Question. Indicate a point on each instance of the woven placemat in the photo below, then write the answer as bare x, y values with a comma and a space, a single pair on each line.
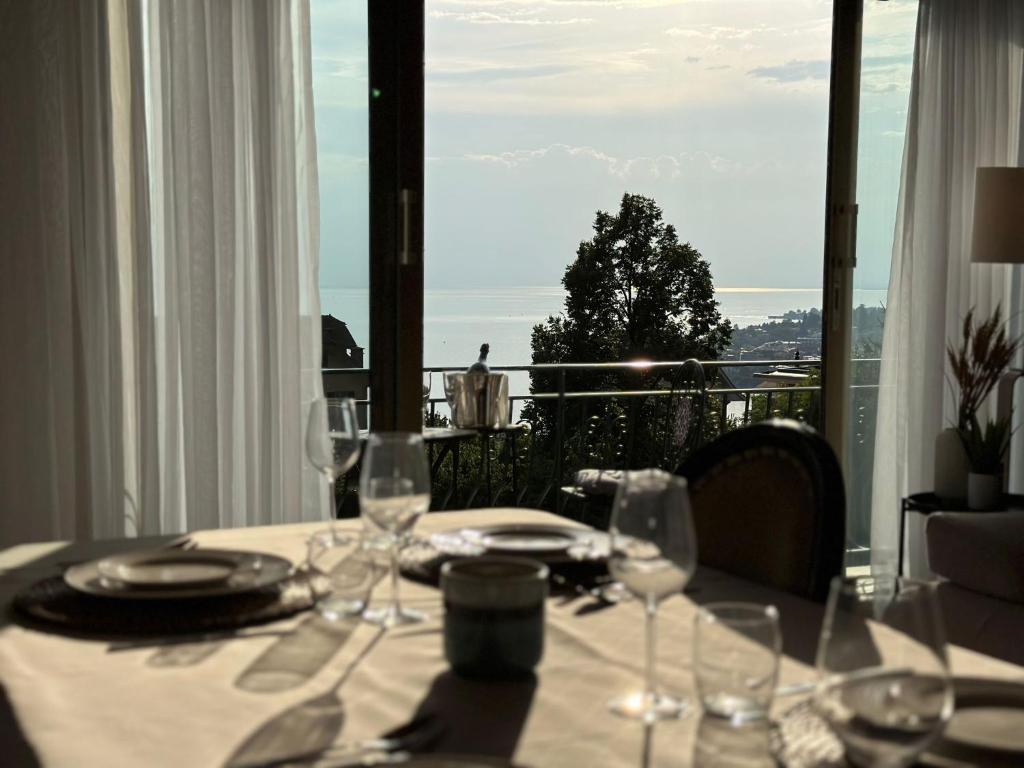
800, 738
52, 605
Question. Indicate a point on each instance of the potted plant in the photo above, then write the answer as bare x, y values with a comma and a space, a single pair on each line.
985, 449
984, 352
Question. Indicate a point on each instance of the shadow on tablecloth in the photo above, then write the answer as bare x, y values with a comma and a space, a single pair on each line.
480, 718
14, 747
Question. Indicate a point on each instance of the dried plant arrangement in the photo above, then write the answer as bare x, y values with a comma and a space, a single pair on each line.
985, 351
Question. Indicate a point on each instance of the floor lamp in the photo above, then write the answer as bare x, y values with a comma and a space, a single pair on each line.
999, 239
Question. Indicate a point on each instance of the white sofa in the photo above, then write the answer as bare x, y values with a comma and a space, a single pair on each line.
980, 559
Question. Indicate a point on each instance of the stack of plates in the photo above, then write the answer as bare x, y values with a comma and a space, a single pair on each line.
165, 574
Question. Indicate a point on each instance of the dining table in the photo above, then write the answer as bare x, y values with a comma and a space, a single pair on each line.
219, 699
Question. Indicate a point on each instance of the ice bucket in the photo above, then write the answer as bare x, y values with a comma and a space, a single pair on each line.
479, 400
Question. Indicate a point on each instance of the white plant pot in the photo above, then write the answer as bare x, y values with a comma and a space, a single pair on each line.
984, 491
951, 466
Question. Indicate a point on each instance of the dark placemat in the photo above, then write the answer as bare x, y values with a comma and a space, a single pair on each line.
422, 562
52, 605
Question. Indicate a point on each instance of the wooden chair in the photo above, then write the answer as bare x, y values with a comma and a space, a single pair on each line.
769, 506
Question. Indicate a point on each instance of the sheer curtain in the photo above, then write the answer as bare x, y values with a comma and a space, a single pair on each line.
231, 171
161, 308
965, 112
60, 390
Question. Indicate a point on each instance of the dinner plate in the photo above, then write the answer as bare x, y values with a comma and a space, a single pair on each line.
167, 569
251, 570
989, 716
544, 542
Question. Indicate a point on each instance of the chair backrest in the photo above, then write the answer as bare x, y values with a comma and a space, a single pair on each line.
769, 505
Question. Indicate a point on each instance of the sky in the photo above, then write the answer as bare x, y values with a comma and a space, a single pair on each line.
541, 112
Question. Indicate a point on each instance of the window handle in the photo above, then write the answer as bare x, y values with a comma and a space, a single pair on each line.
405, 256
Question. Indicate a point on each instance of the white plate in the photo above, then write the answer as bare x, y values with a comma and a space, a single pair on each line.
545, 542
163, 569
252, 570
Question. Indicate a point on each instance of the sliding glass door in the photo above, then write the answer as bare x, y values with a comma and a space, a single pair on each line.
368, 89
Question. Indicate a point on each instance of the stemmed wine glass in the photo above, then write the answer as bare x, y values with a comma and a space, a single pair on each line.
394, 490
332, 440
448, 377
885, 688
427, 385
653, 554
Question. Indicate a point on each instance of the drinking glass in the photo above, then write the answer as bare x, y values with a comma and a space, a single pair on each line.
653, 553
736, 649
448, 378
332, 440
884, 685
427, 385
341, 574
394, 490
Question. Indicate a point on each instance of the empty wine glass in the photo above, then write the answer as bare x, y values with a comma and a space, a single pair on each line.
427, 385
653, 554
332, 440
448, 378
394, 490
885, 688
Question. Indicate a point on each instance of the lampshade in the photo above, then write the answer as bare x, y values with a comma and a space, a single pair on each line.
998, 216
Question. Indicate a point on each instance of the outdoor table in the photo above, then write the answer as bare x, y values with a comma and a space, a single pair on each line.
78, 702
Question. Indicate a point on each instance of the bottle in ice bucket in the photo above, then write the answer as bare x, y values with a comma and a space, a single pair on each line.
480, 366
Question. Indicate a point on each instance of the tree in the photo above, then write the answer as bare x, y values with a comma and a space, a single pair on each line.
634, 292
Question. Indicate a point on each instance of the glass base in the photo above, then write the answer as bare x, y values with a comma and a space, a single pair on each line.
393, 616
640, 706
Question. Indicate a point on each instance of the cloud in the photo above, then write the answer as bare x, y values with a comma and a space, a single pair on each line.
692, 59
491, 73
663, 166
794, 71
525, 18
718, 67
717, 32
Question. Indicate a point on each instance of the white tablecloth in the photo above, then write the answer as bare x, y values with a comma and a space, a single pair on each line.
90, 703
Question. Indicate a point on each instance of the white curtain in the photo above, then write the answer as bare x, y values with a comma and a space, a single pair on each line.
60, 394
965, 112
161, 299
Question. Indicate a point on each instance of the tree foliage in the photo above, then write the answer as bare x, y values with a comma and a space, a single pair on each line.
633, 292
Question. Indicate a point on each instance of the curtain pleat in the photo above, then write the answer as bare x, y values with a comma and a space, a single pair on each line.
158, 266
965, 112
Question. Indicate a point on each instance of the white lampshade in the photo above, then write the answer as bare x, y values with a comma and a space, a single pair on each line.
998, 216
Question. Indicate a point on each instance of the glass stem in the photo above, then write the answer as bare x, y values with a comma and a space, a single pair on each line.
650, 690
396, 605
333, 503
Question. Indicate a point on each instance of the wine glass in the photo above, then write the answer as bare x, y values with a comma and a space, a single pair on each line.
653, 554
448, 378
394, 490
884, 686
332, 440
427, 385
